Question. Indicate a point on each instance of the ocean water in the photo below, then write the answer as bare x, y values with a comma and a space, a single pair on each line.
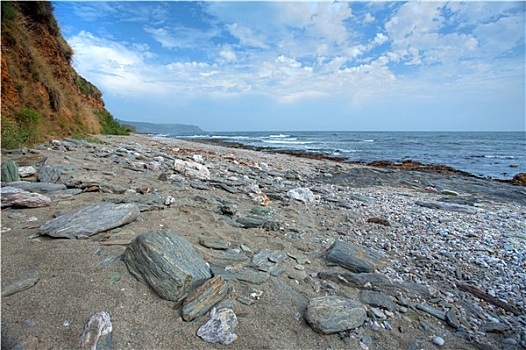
486, 154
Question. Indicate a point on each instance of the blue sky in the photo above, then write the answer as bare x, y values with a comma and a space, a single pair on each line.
239, 66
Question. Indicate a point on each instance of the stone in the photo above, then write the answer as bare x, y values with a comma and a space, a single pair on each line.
10, 171
53, 173
432, 311
167, 263
379, 221
15, 197
302, 194
267, 259
332, 314
354, 258
28, 279
377, 299
220, 328
448, 207
97, 334
191, 169
244, 274
213, 243
202, 299
38, 187
90, 220
438, 341
26, 171
494, 327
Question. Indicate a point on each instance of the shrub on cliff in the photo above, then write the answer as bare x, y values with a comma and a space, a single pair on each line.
109, 125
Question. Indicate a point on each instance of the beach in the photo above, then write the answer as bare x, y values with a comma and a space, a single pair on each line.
446, 251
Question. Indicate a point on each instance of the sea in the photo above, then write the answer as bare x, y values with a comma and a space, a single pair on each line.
497, 155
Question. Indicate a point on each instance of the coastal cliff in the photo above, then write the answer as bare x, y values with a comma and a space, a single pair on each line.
43, 97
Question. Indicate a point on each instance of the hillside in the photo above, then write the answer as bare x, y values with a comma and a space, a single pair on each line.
153, 128
43, 97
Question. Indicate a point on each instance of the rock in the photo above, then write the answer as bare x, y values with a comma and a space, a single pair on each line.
302, 194
28, 279
204, 298
452, 318
267, 260
448, 207
16, 197
220, 328
38, 187
379, 221
261, 198
53, 173
244, 274
90, 220
438, 341
229, 209
494, 327
10, 171
97, 334
213, 243
331, 314
26, 171
167, 263
432, 311
191, 169
377, 299
354, 258
519, 179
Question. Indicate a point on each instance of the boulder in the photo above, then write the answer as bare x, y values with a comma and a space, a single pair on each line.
354, 258
191, 169
302, 194
90, 220
167, 263
10, 171
12, 196
332, 314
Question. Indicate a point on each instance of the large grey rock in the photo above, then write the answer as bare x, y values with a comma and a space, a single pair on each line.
331, 314
220, 328
53, 173
354, 258
90, 220
167, 263
10, 171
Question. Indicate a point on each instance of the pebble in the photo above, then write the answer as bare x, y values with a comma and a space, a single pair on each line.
438, 341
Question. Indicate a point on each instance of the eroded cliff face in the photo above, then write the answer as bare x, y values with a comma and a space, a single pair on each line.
42, 95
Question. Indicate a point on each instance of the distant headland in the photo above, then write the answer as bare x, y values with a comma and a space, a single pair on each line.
154, 128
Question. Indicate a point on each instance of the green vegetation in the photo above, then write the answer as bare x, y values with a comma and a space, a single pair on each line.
21, 131
88, 139
8, 12
87, 88
109, 125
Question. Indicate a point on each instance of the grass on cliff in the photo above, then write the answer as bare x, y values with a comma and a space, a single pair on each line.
22, 130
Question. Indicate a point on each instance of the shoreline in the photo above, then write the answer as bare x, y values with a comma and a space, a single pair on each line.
404, 165
443, 245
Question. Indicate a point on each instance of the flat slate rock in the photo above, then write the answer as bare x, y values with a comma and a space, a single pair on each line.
448, 207
90, 220
10, 171
167, 263
15, 197
244, 274
38, 187
354, 258
377, 299
202, 299
332, 314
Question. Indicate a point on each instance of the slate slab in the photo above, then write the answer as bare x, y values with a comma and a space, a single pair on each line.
354, 258
90, 220
204, 298
10, 171
167, 263
38, 187
12, 196
377, 299
331, 314
220, 328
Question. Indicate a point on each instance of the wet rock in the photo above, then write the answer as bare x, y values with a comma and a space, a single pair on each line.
15, 197
28, 279
167, 263
97, 334
220, 328
10, 171
354, 258
90, 220
204, 298
331, 314
377, 299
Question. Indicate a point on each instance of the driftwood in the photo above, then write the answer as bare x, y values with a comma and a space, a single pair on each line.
485, 296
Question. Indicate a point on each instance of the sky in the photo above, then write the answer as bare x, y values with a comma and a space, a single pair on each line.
293, 66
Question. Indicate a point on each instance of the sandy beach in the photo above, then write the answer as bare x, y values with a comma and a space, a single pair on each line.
452, 249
